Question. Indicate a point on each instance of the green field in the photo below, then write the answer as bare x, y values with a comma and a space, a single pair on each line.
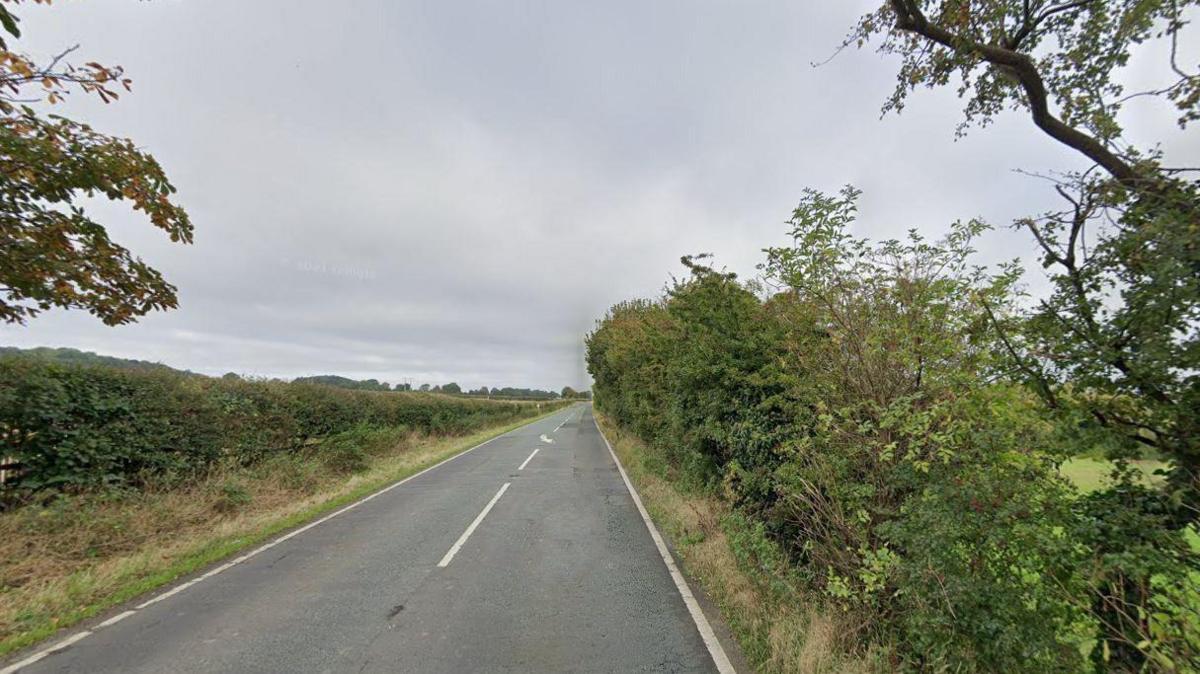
1091, 474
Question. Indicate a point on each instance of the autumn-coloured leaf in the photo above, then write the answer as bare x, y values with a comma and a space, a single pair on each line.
52, 254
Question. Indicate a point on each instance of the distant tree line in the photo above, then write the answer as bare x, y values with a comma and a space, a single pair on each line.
344, 382
70, 356
452, 388
76, 357
511, 392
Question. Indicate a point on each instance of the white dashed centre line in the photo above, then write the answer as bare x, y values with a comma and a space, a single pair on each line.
471, 529
526, 461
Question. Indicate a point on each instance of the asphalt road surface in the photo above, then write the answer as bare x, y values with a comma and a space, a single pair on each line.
499, 560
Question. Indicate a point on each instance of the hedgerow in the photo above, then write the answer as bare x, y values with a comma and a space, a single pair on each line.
73, 427
854, 404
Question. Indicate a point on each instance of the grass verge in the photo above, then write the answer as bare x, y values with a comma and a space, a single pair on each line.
70, 559
778, 627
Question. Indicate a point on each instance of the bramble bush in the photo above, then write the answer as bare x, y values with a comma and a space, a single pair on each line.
855, 404
72, 427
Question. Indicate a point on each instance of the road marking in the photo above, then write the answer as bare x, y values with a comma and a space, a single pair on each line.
546, 440
116, 619
526, 461
559, 426
43, 653
169, 593
49, 650
706, 631
471, 529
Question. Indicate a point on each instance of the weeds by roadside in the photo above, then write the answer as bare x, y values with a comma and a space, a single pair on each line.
778, 628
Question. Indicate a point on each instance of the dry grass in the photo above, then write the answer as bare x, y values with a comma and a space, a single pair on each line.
69, 559
779, 630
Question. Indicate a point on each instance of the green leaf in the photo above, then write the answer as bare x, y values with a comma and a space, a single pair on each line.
10, 24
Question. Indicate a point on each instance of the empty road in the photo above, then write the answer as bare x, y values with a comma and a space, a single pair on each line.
503, 559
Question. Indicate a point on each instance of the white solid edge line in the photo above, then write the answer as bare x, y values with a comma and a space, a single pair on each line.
117, 618
471, 529
45, 652
526, 461
715, 650
16, 666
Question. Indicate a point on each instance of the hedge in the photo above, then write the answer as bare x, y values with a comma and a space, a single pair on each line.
73, 427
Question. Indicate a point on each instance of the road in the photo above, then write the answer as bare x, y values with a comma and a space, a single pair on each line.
499, 560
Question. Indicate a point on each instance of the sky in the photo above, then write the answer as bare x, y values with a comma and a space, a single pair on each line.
446, 190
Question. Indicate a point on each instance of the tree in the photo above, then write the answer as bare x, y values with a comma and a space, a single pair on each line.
512, 392
1114, 347
452, 387
424, 387
52, 254
1119, 328
344, 382
1035, 54
568, 392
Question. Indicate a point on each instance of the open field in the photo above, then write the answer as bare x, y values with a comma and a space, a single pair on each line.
1090, 474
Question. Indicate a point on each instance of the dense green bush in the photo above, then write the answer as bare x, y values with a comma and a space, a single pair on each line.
855, 405
72, 427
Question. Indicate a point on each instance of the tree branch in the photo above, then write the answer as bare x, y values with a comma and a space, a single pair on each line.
1031, 23
1043, 386
910, 18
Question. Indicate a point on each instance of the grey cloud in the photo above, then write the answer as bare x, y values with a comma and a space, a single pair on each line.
442, 191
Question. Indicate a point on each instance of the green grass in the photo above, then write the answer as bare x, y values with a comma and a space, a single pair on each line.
149, 575
1091, 474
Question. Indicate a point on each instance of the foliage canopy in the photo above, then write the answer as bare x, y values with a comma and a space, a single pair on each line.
1116, 343
52, 253
857, 403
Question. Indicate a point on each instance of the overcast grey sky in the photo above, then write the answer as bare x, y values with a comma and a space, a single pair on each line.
445, 190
